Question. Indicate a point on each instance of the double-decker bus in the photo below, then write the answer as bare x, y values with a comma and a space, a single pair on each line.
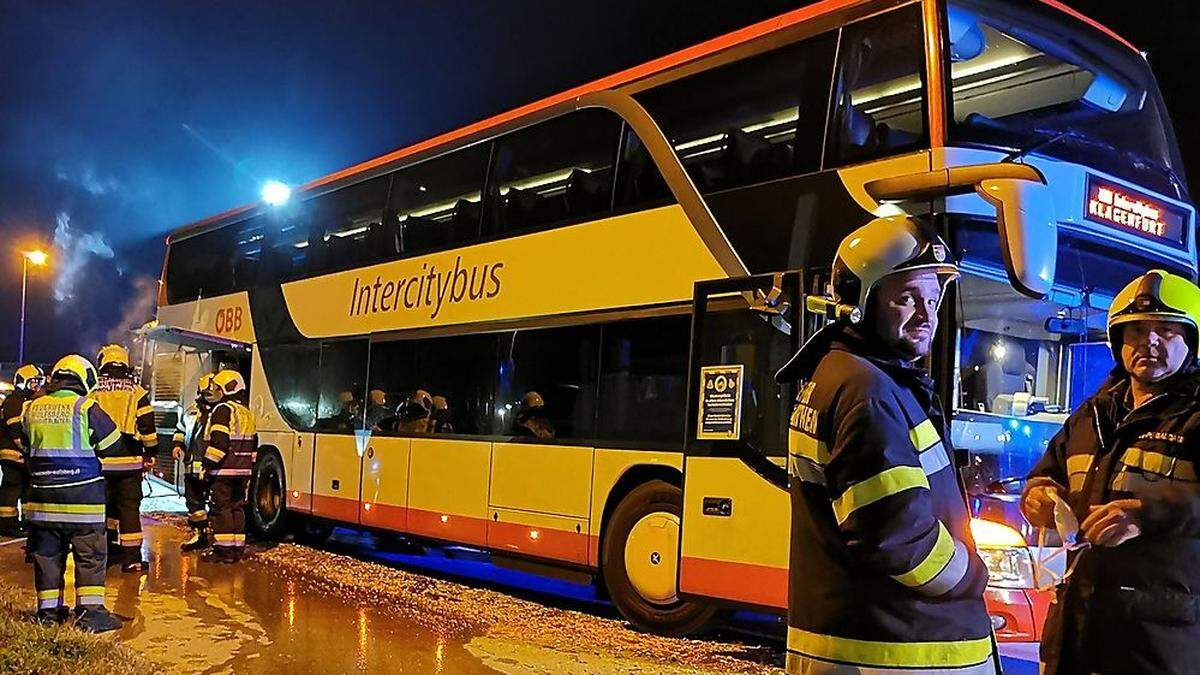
597, 288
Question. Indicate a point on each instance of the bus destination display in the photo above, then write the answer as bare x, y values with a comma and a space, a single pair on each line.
1130, 210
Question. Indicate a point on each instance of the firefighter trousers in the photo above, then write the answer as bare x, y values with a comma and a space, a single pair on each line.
227, 514
12, 485
195, 497
50, 543
123, 513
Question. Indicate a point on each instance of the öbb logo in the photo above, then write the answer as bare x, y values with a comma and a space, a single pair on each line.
229, 320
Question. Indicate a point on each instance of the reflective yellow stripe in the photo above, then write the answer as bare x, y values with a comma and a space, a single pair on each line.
13, 420
148, 437
1157, 462
883, 484
145, 411
135, 538
8, 512
64, 508
11, 455
1079, 463
804, 445
219, 427
89, 590
213, 454
50, 594
108, 441
923, 435
933, 563
956, 654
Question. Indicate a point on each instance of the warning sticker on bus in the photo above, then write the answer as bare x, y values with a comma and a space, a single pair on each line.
720, 403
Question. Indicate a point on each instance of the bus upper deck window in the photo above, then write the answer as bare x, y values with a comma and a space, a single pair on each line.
879, 92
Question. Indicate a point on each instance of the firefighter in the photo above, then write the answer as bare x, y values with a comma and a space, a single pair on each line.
884, 574
531, 418
27, 383
230, 450
128, 404
187, 446
68, 435
1125, 463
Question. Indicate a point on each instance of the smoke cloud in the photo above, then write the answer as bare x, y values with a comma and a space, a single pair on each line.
75, 250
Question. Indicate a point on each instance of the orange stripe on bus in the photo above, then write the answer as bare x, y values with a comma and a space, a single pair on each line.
549, 543
335, 508
741, 582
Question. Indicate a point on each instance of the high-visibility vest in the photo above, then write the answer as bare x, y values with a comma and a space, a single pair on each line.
67, 435
189, 435
128, 404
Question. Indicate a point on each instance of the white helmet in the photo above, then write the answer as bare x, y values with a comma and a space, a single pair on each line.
882, 247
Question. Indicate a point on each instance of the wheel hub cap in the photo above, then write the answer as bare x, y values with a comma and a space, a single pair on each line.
651, 555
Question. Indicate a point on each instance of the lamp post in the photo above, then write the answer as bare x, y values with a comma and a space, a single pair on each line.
37, 259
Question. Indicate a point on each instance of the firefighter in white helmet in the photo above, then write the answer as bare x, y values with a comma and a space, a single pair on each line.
885, 578
128, 404
187, 446
231, 445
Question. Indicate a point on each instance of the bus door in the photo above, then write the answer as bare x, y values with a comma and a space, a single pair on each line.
736, 518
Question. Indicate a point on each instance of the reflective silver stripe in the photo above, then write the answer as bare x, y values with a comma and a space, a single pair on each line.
85, 518
803, 664
231, 472
76, 425
805, 469
74, 453
67, 485
951, 574
934, 459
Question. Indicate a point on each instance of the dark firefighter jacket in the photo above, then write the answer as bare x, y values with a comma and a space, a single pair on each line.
189, 436
10, 430
128, 404
232, 444
883, 568
68, 434
1132, 608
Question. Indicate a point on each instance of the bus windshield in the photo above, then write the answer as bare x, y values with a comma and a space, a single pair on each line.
1027, 78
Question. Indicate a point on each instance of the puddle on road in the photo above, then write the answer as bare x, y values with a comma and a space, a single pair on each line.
197, 617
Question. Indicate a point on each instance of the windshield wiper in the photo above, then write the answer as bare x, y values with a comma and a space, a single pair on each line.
1142, 161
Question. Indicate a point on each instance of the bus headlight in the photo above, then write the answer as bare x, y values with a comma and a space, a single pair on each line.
1004, 552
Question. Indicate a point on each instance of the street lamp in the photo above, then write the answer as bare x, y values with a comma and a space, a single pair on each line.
37, 259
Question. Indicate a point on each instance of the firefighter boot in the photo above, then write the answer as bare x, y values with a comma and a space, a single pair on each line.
95, 620
199, 541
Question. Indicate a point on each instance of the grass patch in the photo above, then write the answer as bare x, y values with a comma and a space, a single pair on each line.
29, 648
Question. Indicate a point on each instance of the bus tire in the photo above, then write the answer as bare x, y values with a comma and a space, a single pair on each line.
267, 499
639, 557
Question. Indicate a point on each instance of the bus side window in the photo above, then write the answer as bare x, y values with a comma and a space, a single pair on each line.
343, 372
436, 203
558, 171
754, 120
639, 182
292, 374
200, 266
547, 384
643, 378
879, 92
342, 221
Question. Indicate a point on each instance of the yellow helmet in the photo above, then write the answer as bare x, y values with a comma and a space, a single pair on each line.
229, 382
204, 383
112, 354
1156, 295
76, 367
28, 376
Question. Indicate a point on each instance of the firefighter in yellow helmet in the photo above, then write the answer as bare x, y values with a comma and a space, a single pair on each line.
187, 446
885, 574
128, 404
1126, 463
69, 434
231, 446
27, 383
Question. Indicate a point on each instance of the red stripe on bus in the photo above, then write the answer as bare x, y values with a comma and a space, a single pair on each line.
448, 527
703, 49
741, 582
335, 508
385, 516
542, 542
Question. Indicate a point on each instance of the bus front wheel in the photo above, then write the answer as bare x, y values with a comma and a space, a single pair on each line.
640, 557
268, 511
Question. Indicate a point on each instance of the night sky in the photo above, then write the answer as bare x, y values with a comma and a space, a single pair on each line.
120, 121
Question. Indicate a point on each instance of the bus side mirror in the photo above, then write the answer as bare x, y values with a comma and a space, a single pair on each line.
1028, 231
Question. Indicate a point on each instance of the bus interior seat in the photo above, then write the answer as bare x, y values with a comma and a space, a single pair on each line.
419, 233
317, 250
518, 207
588, 192
754, 159
463, 224
382, 237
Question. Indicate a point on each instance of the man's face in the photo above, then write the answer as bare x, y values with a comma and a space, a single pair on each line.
904, 312
1153, 350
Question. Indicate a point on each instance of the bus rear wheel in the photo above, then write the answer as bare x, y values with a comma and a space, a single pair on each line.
268, 509
640, 557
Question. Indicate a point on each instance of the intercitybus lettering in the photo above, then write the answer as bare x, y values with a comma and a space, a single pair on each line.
430, 288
